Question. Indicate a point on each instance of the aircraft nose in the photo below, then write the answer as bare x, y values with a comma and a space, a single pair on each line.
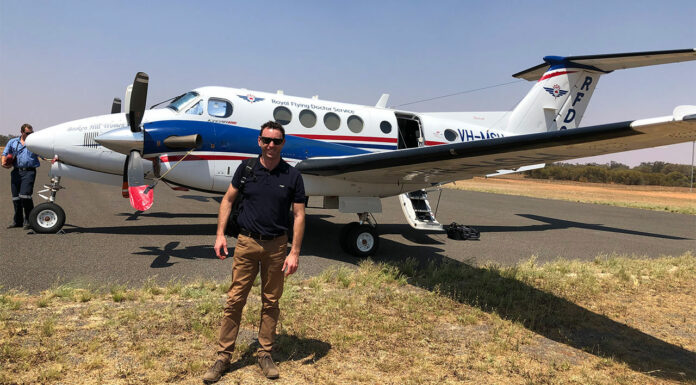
41, 143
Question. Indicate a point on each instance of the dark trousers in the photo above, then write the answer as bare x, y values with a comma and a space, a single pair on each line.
22, 184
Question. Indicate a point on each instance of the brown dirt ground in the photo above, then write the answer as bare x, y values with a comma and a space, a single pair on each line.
675, 199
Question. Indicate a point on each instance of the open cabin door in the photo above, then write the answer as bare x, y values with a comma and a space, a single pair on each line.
414, 204
410, 130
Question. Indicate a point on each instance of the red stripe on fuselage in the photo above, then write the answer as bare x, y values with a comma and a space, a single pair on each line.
346, 137
548, 76
176, 158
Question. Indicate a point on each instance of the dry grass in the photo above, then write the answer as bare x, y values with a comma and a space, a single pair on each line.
614, 320
671, 199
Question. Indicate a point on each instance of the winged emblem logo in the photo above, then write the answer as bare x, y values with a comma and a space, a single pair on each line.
251, 98
555, 91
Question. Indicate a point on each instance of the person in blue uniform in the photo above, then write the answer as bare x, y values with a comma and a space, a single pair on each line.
23, 164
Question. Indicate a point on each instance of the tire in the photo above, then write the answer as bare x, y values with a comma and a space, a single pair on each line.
344, 236
363, 241
47, 218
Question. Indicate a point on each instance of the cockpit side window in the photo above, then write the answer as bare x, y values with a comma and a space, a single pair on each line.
196, 109
182, 101
219, 108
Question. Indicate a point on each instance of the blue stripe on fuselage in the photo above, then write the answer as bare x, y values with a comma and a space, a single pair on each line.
235, 139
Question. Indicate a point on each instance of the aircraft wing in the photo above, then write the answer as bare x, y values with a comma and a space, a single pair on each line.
449, 162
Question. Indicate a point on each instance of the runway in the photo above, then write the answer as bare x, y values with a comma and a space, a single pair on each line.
105, 242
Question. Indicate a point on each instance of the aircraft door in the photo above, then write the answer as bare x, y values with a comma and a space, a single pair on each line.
410, 131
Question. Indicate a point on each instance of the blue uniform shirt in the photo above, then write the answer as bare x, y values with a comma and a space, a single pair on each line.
268, 196
24, 157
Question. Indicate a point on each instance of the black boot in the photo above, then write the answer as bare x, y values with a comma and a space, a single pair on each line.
18, 219
28, 205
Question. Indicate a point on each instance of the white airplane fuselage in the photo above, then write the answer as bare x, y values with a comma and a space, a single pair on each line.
313, 127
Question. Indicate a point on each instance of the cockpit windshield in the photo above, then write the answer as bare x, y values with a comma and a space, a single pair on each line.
182, 100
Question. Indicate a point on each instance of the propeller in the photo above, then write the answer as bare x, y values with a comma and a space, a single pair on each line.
134, 186
116, 106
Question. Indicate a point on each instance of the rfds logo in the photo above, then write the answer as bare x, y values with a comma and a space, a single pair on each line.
251, 98
555, 91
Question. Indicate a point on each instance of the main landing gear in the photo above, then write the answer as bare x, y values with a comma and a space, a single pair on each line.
360, 238
48, 217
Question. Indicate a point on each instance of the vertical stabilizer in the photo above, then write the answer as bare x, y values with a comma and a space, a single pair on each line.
557, 101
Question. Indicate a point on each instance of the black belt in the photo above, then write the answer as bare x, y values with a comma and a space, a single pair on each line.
26, 168
257, 236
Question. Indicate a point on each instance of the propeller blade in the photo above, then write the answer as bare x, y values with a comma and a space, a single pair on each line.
138, 98
116, 106
135, 169
129, 90
141, 197
124, 186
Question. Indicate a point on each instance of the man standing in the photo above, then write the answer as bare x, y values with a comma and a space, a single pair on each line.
268, 190
22, 176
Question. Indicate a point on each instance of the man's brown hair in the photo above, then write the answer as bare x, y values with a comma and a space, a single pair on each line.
273, 126
27, 125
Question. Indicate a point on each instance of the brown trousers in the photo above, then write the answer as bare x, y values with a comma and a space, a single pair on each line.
250, 257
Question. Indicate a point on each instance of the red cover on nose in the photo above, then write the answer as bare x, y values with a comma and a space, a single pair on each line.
139, 199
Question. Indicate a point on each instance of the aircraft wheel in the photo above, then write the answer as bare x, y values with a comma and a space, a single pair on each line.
363, 241
344, 237
47, 218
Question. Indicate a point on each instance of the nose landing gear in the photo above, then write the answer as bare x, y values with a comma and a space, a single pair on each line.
48, 217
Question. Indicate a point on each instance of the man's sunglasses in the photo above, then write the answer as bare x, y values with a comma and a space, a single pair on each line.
275, 141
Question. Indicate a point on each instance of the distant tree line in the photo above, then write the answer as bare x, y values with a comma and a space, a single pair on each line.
648, 173
4, 139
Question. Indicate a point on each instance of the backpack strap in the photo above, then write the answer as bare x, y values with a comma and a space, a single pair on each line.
248, 172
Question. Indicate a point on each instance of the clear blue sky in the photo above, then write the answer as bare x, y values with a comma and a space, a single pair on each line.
64, 60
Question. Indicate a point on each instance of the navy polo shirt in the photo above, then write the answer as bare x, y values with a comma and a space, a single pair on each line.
268, 196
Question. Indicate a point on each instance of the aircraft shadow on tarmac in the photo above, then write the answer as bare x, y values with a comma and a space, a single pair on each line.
541, 312
138, 214
163, 254
557, 224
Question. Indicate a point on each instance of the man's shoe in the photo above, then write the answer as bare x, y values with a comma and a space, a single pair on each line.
216, 371
269, 368
27, 227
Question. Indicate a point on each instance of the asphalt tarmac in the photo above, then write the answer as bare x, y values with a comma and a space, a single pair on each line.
105, 242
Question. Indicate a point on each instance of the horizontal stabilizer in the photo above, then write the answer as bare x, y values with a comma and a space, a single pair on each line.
449, 162
608, 63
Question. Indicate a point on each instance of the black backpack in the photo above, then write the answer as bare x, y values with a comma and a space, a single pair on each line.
232, 228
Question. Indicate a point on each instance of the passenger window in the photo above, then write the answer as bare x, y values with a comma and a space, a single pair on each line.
219, 108
385, 127
196, 109
308, 118
355, 123
332, 121
450, 135
282, 115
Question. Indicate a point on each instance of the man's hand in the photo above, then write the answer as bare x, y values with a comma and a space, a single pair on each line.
6, 162
223, 215
290, 264
221, 247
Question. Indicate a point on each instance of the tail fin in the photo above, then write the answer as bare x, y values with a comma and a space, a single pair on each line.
565, 85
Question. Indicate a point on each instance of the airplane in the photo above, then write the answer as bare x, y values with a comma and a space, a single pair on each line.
351, 155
